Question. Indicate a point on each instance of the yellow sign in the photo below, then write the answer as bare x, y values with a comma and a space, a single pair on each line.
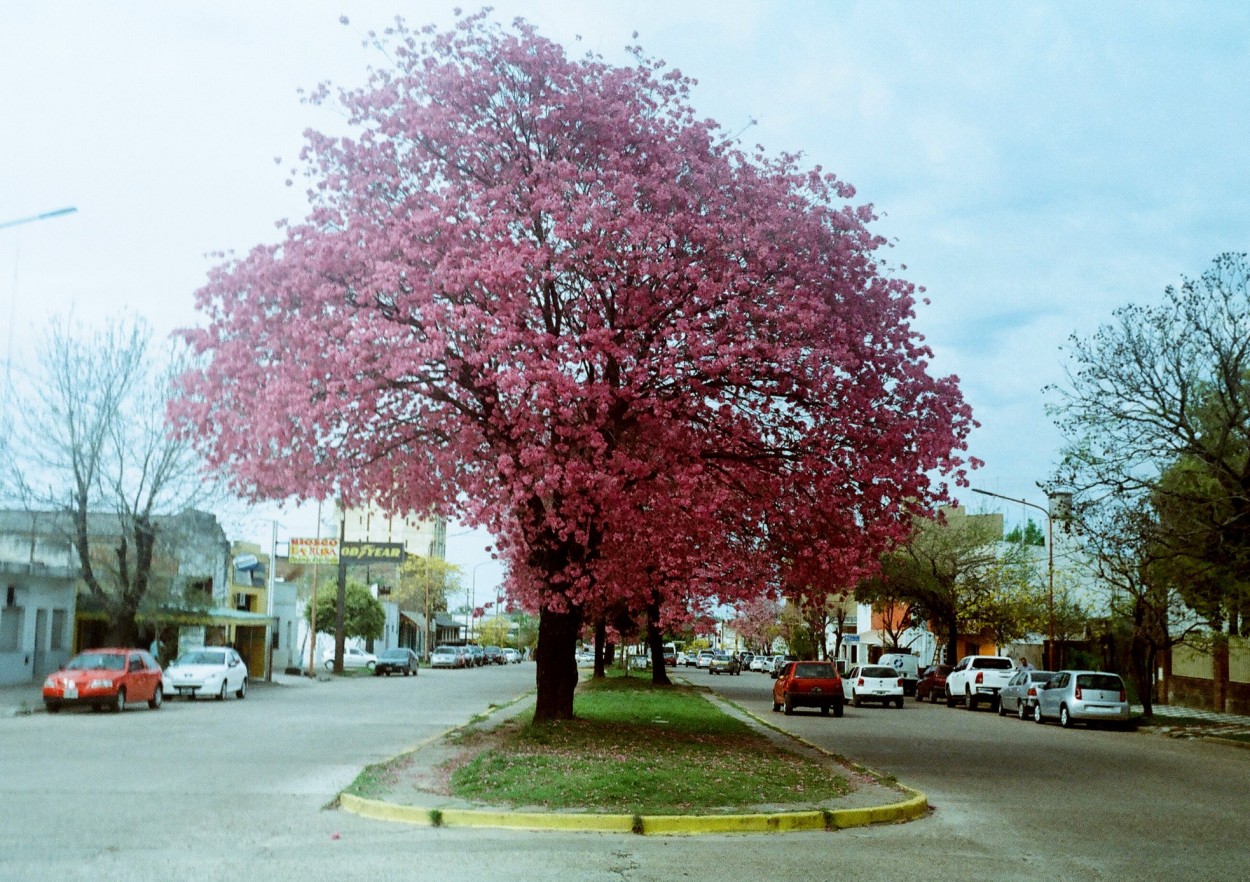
313, 551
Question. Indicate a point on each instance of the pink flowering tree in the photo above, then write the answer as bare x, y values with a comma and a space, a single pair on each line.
538, 293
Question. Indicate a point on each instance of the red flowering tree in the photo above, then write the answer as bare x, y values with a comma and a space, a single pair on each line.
536, 292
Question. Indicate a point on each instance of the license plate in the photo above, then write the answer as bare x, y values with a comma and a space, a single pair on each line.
815, 689
71, 690
185, 690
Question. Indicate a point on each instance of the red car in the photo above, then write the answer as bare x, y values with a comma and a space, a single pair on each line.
105, 677
932, 683
808, 684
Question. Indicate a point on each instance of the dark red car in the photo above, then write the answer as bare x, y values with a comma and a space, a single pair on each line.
105, 678
932, 683
808, 684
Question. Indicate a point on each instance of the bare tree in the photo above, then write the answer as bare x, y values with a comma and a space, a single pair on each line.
91, 444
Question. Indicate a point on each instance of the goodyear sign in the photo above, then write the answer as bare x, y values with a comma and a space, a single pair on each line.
372, 552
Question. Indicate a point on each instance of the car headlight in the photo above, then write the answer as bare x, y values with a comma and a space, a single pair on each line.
100, 684
49, 683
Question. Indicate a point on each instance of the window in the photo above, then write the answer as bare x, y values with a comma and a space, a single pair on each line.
10, 628
59, 619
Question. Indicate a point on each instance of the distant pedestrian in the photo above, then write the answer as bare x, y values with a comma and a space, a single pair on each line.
1025, 664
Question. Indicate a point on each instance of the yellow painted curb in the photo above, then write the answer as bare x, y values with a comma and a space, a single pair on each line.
648, 825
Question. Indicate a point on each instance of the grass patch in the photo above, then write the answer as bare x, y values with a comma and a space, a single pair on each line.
380, 778
636, 749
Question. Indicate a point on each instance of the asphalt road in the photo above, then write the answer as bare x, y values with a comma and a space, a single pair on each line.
238, 790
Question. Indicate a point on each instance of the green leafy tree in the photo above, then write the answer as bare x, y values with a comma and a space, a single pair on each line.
365, 618
1032, 534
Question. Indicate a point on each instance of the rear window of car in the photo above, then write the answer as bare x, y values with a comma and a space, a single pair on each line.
811, 670
1104, 682
879, 671
993, 664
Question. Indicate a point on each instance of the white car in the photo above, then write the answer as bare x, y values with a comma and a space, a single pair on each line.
762, 663
444, 657
207, 671
511, 656
353, 660
873, 683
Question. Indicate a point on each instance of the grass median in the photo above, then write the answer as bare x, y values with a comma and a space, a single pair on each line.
635, 748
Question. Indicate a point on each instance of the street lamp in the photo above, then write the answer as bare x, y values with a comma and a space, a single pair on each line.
1060, 501
8, 352
37, 217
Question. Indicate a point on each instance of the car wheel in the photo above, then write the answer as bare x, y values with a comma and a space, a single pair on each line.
919, 697
52, 707
221, 695
1037, 714
837, 708
855, 702
1002, 711
329, 665
776, 706
950, 699
242, 693
157, 697
1065, 718
824, 710
1022, 711
119, 703
789, 706
898, 703
371, 665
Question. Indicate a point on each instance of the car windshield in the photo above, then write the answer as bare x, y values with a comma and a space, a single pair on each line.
94, 661
1041, 676
395, 654
1103, 682
444, 650
201, 657
807, 670
879, 672
993, 664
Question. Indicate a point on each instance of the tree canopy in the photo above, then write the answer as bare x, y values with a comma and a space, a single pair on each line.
539, 293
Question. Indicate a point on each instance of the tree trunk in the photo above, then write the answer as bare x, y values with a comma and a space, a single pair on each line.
601, 645
655, 643
1141, 663
556, 674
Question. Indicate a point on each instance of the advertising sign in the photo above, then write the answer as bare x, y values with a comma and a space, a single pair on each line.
313, 551
373, 552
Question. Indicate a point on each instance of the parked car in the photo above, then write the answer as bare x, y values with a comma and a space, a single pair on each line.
978, 678
670, 655
692, 659
400, 660
762, 663
511, 656
585, 657
932, 683
445, 657
873, 683
808, 684
207, 671
105, 678
494, 655
724, 663
640, 662
779, 662
908, 667
745, 659
1082, 696
1020, 693
704, 658
353, 659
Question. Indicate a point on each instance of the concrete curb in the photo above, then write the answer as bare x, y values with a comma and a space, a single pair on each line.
914, 805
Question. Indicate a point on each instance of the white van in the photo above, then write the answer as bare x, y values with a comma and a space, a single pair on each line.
908, 667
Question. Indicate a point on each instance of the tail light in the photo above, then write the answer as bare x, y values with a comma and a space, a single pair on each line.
1032, 692
1078, 693
1123, 695
900, 681
980, 677
861, 682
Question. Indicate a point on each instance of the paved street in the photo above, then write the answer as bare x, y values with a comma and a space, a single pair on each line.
237, 790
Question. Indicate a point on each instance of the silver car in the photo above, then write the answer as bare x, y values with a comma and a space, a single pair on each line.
1020, 693
1082, 696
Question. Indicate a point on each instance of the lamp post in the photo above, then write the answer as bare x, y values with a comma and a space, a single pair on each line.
473, 598
34, 218
1055, 499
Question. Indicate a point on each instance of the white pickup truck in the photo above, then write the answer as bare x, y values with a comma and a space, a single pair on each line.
978, 678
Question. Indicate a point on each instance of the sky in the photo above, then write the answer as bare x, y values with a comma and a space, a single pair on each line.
1034, 165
